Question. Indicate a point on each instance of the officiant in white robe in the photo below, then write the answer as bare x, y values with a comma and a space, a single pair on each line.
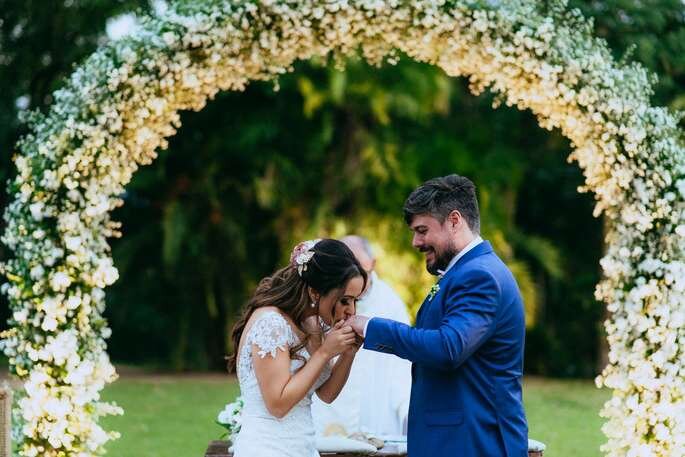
375, 399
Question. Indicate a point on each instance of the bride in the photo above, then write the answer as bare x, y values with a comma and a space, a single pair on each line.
282, 355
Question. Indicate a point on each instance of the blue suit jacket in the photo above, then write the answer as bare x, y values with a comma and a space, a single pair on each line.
467, 354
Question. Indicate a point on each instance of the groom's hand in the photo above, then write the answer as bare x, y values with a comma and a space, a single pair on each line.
358, 323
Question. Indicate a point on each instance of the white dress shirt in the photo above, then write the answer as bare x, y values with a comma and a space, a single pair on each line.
475, 242
375, 399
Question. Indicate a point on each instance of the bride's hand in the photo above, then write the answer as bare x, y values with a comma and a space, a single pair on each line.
358, 343
340, 339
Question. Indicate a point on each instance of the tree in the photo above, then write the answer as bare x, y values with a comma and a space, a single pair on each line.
329, 153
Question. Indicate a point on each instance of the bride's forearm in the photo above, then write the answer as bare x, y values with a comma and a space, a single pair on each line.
330, 389
281, 400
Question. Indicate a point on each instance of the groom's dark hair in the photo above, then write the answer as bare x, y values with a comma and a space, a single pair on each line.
440, 196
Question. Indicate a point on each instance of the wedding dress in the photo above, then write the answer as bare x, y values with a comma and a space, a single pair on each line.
262, 434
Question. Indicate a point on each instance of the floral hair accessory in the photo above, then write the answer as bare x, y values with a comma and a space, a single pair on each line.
302, 254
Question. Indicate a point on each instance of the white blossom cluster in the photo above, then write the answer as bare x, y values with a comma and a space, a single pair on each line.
231, 418
120, 105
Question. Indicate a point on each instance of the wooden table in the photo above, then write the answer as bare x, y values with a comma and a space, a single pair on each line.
220, 449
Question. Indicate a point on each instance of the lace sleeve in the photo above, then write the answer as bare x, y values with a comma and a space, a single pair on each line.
270, 332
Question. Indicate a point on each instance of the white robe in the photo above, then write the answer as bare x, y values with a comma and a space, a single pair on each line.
375, 399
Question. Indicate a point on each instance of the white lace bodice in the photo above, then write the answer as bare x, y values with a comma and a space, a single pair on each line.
261, 433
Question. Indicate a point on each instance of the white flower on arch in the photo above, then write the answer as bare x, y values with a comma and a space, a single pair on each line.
537, 57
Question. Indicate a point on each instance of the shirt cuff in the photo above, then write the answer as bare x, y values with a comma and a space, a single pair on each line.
365, 327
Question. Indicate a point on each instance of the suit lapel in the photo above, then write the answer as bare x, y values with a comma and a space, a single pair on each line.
483, 248
421, 311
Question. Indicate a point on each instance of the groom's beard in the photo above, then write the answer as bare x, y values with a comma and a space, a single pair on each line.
442, 259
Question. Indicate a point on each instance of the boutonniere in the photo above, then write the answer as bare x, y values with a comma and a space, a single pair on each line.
434, 290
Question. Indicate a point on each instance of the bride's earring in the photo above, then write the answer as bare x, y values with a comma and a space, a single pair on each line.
313, 305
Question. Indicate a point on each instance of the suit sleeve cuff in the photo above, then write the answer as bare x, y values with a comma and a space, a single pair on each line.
365, 327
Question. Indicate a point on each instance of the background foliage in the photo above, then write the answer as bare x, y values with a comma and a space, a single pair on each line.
330, 153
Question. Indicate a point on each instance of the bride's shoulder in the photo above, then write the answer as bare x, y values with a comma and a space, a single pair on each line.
271, 313
269, 331
270, 319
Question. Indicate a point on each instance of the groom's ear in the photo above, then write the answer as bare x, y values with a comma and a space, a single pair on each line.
454, 219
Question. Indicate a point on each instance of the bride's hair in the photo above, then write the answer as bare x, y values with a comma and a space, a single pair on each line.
331, 267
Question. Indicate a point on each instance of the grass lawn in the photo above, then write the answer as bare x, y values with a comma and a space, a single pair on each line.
173, 416
564, 415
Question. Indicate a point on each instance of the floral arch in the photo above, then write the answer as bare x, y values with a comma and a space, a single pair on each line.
122, 103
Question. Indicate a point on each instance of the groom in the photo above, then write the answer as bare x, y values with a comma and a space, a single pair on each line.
467, 345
